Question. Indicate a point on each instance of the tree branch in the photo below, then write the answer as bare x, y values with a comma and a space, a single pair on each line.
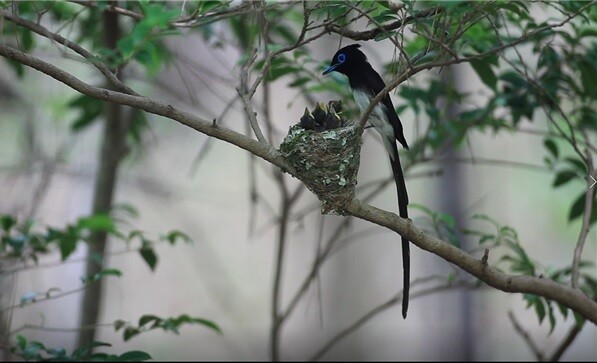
396, 299
571, 298
586, 221
371, 34
264, 151
527, 338
38, 29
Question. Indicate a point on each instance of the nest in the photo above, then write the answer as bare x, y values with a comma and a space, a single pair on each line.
328, 162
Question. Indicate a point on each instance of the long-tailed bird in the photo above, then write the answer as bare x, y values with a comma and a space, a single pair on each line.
366, 83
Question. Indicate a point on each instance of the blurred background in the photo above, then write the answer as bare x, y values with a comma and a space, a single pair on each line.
180, 179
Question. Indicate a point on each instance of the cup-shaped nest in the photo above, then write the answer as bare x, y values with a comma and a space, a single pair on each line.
327, 162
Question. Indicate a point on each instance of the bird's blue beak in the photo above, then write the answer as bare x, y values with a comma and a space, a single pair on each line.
330, 69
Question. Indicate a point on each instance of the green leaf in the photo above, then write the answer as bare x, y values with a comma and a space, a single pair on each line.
588, 76
109, 272
138, 125
205, 6
549, 58
68, 244
7, 222
277, 72
514, 78
81, 353
135, 234
577, 208
286, 33
97, 223
578, 318
564, 177
578, 164
119, 324
130, 332
588, 118
484, 71
384, 35
148, 318
126, 46
588, 32
552, 318
208, 323
59, 353
149, 257
563, 310
90, 109
299, 82
134, 356
552, 147
386, 15
175, 235
96, 343
21, 342
27, 40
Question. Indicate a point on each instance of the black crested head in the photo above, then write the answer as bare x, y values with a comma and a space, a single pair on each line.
347, 59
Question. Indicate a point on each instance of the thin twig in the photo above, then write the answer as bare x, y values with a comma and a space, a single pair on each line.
46, 297
371, 34
565, 344
58, 330
397, 299
586, 221
526, 336
111, 8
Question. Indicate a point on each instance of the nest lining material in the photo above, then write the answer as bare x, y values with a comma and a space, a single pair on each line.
328, 162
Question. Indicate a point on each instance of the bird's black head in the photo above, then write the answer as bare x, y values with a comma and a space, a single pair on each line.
346, 59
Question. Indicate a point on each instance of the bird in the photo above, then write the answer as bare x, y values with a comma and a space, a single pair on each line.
307, 120
366, 83
332, 119
319, 114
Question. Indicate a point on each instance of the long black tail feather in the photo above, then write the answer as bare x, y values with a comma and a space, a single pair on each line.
403, 212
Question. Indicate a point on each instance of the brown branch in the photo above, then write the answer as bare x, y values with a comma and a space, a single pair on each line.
111, 8
58, 330
549, 289
526, 336
271, 56
572, 333
385, 306
46, 297
586, 221
371, 34
252, 115
156, 107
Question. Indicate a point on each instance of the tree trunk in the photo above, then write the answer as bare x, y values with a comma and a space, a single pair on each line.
113, 150
452, 203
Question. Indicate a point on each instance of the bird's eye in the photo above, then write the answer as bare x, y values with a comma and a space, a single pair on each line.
341, 57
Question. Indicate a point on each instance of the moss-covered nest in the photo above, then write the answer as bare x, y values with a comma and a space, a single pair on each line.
327, 162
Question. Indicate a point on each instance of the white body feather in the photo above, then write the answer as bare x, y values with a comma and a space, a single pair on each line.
378, 119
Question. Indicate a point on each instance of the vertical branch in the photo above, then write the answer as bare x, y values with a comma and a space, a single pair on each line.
586, 221
565, 344
526, 337
113, 150
277, 317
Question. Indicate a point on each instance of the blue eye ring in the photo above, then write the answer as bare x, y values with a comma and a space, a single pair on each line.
341, 57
